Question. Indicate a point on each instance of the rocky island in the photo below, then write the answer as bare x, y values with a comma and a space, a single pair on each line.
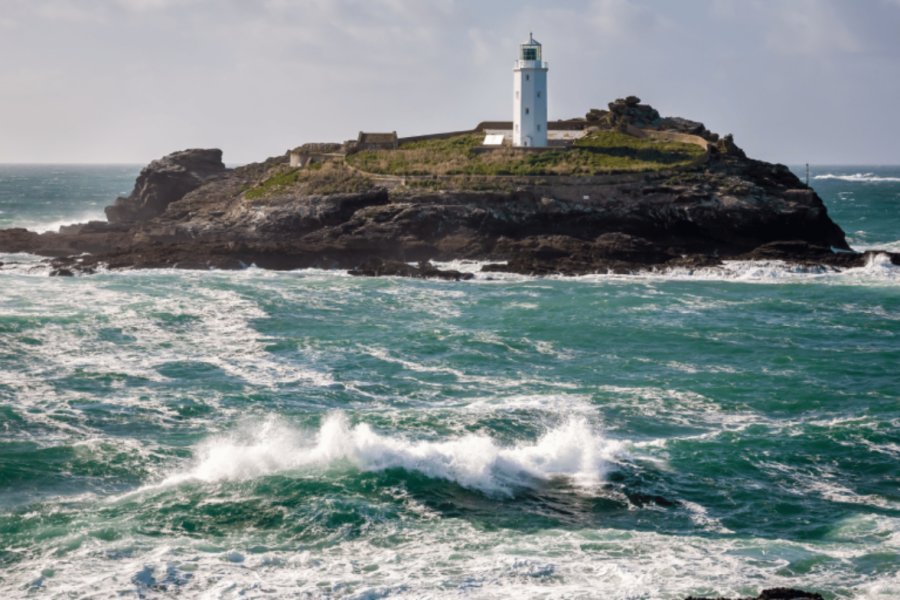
631, 192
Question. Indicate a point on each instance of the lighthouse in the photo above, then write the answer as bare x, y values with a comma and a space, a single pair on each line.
530, 96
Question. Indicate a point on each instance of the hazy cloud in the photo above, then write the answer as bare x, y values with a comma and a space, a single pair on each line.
623, 21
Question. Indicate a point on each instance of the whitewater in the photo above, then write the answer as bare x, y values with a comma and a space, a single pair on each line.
307, 434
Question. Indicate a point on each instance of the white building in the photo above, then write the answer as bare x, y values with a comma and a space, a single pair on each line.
530, 102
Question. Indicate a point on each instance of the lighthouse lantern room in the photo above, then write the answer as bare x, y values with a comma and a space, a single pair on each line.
530, 96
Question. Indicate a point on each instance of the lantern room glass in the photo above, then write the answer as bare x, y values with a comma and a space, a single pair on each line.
529, 52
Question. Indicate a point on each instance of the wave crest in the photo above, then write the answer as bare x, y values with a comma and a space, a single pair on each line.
574, 450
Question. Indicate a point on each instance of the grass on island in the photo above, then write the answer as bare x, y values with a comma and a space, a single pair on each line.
319, 178
600, 153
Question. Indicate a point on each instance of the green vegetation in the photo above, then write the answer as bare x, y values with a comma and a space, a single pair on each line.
317, 178
600, 153
467, 182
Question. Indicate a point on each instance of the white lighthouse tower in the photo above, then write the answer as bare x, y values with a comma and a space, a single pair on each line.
530, 91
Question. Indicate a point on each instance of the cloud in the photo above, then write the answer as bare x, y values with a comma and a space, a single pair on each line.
809, 28
620, 21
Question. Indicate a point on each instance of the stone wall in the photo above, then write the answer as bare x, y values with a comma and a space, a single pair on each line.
434, 136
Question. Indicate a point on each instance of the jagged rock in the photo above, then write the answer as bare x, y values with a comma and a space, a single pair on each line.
164, 181
624, 112
727, 147
62, 273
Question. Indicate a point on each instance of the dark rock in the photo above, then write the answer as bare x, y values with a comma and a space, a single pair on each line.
92, 227
727, 147
164, 181
563, 255
629, 111
686, 126
197, 215
694, 261
377, 267
804, 253
74, 229
62, 273
774, 594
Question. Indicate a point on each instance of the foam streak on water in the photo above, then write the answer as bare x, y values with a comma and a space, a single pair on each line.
252, 434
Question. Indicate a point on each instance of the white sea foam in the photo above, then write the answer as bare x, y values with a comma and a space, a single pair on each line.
826, 484
574, 450
757, 271
860, 178
862, 246
453, 558
541, 403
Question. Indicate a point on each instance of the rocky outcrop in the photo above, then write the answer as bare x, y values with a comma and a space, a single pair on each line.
733, 208
188, 211
775, 594
93, 237
164, 181
727, 147
377, 267
629, 111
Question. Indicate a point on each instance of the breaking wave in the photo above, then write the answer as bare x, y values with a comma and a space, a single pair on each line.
574, 450
860, 178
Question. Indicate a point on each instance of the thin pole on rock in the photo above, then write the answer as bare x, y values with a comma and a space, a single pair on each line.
807, 174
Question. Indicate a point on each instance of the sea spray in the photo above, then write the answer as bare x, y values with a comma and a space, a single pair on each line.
573, 450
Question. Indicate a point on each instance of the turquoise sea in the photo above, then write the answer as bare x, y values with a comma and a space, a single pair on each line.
306, 434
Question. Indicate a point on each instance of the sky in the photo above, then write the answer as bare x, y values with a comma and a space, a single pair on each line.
128, 81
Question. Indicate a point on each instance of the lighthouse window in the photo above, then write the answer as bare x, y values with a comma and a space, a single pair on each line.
531, 53
528, 78
539, 93
526, 111
539, 127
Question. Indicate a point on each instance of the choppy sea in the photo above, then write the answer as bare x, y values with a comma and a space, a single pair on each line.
305, 434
